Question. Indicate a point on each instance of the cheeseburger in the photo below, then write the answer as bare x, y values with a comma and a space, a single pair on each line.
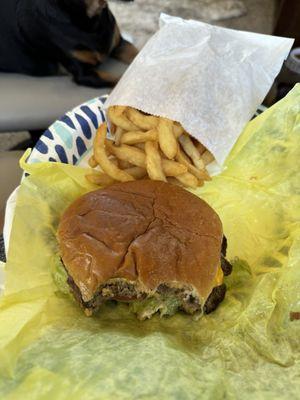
148, 243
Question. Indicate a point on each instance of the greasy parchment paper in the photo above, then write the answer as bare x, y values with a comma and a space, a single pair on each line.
208, 78
248, 349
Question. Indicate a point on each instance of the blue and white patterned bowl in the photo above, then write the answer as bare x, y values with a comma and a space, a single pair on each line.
69, 139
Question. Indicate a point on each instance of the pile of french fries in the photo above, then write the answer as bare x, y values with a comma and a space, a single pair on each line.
146, 146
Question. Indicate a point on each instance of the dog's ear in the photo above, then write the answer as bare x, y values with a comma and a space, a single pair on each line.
94, 7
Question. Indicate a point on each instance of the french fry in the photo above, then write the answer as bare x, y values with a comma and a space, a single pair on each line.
166, 138
199, 146
184, 158
102, 159
112, 128
154, 162
124, 164
100, 179
202, 175
140, 146
188, 180
145, 122
173, 168
118, 134
191, 151
114, 160
134, 137
92, 162
177, 130
131, 154
207, 157
118, 117
120, 109
170, 167
136, 172
174, 181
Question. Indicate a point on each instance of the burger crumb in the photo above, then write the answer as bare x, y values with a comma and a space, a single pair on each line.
294, 315
88, 312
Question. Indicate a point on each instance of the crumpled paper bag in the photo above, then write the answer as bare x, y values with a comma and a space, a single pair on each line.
247, 349
208, 78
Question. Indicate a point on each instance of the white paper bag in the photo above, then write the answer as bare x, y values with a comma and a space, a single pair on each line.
210, 79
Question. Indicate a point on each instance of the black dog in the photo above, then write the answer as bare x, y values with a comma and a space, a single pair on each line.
36, 36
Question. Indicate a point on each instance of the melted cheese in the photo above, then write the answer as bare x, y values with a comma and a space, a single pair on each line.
219, 277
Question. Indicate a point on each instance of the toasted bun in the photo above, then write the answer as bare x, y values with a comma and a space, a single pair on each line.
148, 232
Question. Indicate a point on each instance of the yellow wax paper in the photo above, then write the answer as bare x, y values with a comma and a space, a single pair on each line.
247, 349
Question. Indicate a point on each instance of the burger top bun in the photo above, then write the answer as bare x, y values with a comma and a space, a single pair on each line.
148, 232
